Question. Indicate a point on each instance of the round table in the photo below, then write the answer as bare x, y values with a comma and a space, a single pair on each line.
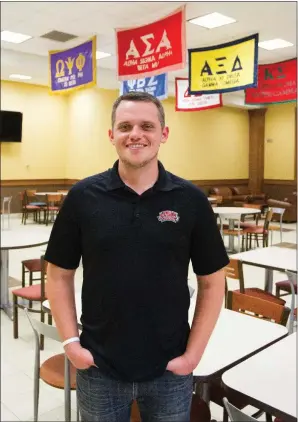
232, 214
19, 238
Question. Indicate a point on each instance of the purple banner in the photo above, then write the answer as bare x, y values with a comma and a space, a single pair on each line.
73, 68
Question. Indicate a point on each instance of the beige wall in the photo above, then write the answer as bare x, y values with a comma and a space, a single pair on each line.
280, 152
67, 137
209, 144
41, 154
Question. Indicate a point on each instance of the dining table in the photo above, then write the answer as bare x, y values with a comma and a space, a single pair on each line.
268, 379
233, 214
235, 338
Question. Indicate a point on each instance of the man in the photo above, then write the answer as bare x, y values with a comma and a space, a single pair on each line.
136, 227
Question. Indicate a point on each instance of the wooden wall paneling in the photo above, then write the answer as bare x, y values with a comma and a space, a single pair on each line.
256, 149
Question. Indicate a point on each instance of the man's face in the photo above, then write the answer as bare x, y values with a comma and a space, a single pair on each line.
137, 133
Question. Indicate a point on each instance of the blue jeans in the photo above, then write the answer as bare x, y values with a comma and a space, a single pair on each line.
102, 399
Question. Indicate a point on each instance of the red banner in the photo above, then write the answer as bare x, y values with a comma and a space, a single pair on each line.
276, 84
158, 47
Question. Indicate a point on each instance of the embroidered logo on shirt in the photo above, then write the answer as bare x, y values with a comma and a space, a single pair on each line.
168, 216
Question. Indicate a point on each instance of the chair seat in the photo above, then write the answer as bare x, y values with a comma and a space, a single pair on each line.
53, 208
52, 372
31, 207
255, 230
32, 265
38, 204
30, 293
261, 294
286, 285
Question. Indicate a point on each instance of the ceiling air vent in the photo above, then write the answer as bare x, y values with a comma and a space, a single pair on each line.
58, 36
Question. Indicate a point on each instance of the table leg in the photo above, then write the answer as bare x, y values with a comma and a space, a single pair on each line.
67, 392
268, 280
5, 305
231, 238
206, 393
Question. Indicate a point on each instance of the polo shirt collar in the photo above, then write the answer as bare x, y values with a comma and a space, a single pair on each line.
163, 183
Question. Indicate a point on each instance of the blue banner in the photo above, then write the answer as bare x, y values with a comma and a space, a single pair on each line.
154, 85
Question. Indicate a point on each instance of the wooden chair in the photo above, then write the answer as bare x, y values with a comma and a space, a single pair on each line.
200, 411
28, 208
254, 217
258, 307
32, 293
259, 233
252, 307
53, 205
56, 371
234, 270
31, 266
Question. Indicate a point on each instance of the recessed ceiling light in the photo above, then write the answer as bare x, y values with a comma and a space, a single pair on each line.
101, 55
17, 76
14, 37
212, 20
274, 44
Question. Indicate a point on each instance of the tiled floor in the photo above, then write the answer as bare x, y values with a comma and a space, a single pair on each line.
17, 356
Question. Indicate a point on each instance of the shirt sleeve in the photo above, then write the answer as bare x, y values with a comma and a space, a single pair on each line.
208, 253
64, 247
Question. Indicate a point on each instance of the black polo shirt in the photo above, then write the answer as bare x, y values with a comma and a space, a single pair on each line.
135, 251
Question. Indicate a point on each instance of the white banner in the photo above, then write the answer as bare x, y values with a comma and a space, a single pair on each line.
186, 102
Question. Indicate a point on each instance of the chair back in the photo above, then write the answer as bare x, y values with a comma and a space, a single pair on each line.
30, 194
234, 270
43, 274
235, 414
57, 198
40, 328
256, 307
293, 282
268, 218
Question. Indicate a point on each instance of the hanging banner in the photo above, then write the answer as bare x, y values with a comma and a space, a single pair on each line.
187, 102
152, 49
73, 68
277, 83
225, 67
154, 85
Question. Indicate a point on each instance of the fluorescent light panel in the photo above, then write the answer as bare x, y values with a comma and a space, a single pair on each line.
17, 76
274, 44
101, 55
14, 37
212, 20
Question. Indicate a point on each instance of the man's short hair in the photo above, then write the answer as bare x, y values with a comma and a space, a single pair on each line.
142, 97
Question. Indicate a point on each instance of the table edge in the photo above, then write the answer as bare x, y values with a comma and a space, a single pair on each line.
244, 358
4, 248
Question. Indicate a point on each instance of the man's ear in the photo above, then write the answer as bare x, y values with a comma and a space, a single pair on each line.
165, 135
111, 136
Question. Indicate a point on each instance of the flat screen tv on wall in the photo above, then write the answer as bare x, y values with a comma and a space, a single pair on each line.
11, 126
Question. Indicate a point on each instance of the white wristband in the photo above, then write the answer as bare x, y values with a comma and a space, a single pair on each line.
70, 340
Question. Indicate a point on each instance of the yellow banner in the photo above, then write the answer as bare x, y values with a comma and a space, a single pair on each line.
224, 68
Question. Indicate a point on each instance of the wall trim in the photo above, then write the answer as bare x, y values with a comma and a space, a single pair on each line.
279, 182
220, 182
42, 182
37, 182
